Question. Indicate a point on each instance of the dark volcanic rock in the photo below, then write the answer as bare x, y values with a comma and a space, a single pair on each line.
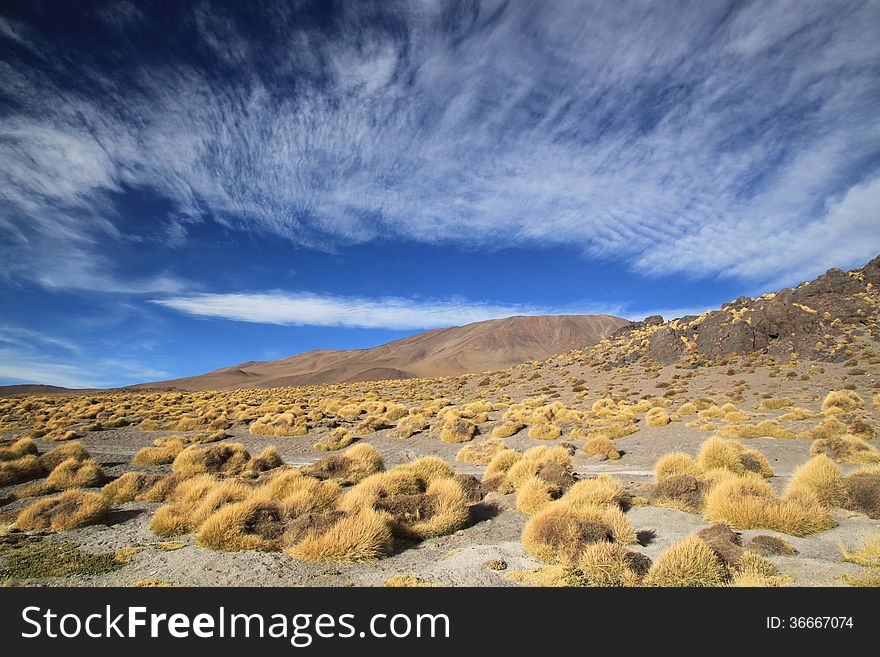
805, 319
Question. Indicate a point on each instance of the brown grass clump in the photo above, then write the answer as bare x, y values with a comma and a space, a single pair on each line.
74, 450
75, 474
560, 535
821, 477
602, 447
380, 486
449, 511
674, 464
769, 546
846, 448
481, 453
608, 564
681, 491
24, 468
253, 524
507, 429
842, 401
226, 459
688, 563
68, 510
132, 486
165, 453
355, 464
338, 438
533, 460
730, 455
457, 429
863, 493
362, 536
747, 502
544, 431
829, 428
657, 417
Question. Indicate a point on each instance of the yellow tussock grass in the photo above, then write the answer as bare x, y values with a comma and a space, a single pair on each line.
688, 563
68, 510
362, 536
481, 453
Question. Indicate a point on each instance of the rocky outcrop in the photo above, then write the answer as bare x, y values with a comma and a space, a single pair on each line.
812, 320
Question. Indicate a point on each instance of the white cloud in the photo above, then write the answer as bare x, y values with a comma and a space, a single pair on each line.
327, 310
707, 141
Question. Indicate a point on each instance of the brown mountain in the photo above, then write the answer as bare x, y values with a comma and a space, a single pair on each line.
490, 345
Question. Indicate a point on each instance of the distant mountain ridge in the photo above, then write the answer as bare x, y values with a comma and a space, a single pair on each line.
481, 346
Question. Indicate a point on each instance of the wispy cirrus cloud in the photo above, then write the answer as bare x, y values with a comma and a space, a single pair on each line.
735, 139
304, 309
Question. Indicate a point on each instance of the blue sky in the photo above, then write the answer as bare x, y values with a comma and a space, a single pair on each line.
188, 187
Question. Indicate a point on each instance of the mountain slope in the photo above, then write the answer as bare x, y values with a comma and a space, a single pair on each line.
478, 347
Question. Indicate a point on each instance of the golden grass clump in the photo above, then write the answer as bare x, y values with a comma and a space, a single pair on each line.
501, 463
252, 524
73, 473
544, 431
507, 429
828, 428
449, 511
410, 425
68, 510
280, 424
747, 502
612, 432
657, 417
876, 400
755, 571
428, 469
134, 486
847, 449
379, 486
688, 563
821, 477
226, 459
602, 447
535, 494
533, 460
609, 564
355, 464
674, 464
74, 450
558, 534
731, 455
21, 447
362, 536
603, 490
797, 414
160, 455
23, 468
868, 556
842, 401
457, 429
774, 404
763, 429
481, 453
407, 581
